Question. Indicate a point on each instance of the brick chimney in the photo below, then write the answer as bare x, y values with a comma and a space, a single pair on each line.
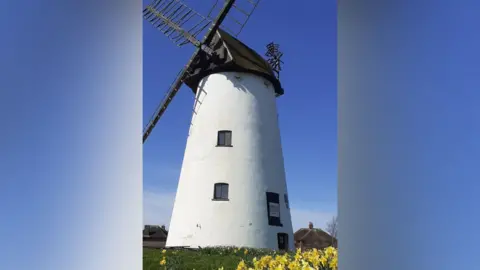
310, 225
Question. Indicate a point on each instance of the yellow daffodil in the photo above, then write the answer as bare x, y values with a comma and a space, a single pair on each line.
293, 265
242, 266
333, 263
323, 260
307, 260
330, 251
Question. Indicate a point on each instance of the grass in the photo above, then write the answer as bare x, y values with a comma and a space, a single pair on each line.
203, 259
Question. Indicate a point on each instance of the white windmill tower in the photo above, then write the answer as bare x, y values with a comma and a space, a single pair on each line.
232, 189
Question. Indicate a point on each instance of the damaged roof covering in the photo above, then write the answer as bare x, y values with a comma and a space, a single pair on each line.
231, 55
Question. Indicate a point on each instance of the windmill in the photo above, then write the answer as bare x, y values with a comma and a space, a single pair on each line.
232, 189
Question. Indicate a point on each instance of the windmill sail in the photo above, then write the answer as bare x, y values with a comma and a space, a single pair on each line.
238, 16
172, 91
183, 25
184, 72
178, 22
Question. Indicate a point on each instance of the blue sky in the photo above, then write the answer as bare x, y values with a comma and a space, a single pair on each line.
308, 110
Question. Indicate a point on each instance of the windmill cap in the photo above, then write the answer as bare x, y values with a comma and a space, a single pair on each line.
232, 55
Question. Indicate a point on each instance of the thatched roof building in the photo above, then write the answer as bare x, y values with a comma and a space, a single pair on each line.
309, 238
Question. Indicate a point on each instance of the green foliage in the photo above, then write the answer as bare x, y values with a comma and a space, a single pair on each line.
203, 259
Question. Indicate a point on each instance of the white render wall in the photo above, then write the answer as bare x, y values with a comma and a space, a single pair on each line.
246, 105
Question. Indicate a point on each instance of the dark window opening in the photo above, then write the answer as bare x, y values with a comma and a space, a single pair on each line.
273, 209
224, 138
287, 203
282, 241
220, 192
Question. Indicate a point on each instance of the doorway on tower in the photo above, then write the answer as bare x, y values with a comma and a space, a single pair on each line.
282, 239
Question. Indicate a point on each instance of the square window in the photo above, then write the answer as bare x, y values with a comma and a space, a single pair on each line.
220, 191
224, 138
